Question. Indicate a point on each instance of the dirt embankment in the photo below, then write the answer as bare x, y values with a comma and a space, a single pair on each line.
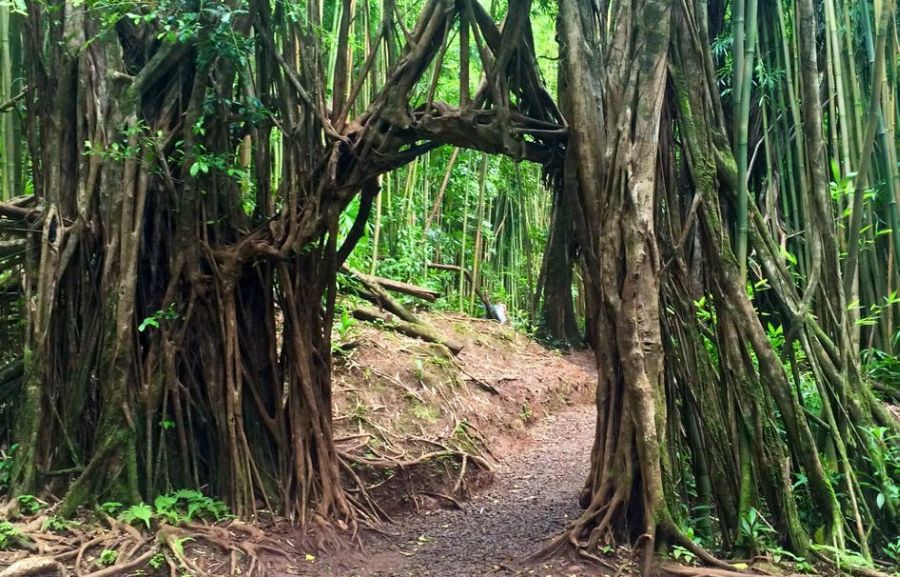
533, 498
423, 424
527, 411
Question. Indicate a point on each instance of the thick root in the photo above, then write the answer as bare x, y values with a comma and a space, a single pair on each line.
35, 567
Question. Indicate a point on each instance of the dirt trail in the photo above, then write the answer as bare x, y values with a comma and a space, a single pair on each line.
532, 498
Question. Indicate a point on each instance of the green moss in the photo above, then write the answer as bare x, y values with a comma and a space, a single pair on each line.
425, 412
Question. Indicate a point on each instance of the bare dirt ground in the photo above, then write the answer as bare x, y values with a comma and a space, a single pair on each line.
533, 497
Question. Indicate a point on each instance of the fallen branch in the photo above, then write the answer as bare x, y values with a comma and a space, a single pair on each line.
376, 295
415, 330
480, 382
419, 292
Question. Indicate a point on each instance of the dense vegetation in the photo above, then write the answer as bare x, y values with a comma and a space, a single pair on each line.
705, 192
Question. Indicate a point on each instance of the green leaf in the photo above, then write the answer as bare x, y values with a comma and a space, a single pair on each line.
141, 512
111, 507
188, 494
879, 500
165, 503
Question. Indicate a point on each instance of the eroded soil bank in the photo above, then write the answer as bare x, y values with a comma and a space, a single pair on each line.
533, 496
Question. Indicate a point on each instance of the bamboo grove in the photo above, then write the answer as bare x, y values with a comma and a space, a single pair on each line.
715, 182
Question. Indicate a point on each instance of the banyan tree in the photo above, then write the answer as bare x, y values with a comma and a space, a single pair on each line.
703, 431
173, 270
178, 254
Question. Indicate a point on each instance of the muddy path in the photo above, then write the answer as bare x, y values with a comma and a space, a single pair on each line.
533, 497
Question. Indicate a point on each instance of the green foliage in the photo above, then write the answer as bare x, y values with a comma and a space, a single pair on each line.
157, 561
892, 551
29, 504
187, 505
845, 559
110, 507
780, 555
343, 326
10, 536
154, 320
884, 456
683, 555
754, 531
56, 524
141, 512
107, 557
883, 368
414, 229
182, 506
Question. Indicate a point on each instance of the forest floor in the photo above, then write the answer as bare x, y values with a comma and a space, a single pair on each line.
529, 408
533, 497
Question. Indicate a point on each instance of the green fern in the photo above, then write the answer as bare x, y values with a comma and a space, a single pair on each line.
140, 512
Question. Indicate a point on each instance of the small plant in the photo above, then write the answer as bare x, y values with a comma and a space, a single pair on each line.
526, 415
196, 505
420, 370
892, 551
170, 314
55, 524
111, 508
780, 555
9, 535
175, 508
107, 557
342, 327
754, 529
29, 504
141, 512
156, 561
683, 555
425, 412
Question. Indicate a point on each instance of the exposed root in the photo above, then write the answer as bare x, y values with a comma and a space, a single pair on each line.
688, 571
123, 568
43, 566
80, 552
447, 498
598, 518
705, 556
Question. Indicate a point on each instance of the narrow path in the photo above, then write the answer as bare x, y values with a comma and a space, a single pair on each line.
532, 498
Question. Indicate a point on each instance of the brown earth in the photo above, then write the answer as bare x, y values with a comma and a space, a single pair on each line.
398, 399
536, 429
533, 497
